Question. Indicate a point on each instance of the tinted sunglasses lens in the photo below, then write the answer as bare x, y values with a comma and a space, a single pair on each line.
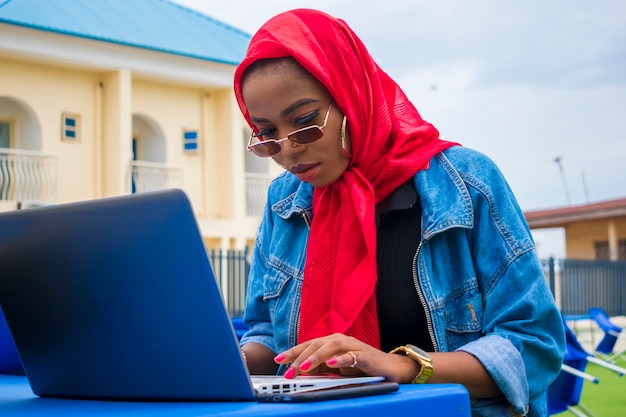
265, 149
308, 135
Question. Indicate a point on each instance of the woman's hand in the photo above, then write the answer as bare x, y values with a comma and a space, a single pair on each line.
346, 355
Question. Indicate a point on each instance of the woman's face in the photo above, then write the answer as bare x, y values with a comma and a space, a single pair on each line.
281, 97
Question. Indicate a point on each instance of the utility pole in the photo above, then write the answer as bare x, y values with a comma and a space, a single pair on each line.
584, 178
559, 162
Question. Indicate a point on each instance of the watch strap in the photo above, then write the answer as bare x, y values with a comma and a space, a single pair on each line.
424, 360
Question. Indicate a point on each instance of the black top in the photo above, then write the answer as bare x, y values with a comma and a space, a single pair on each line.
401, 316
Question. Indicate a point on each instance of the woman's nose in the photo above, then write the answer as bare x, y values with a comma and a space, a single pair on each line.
290, 146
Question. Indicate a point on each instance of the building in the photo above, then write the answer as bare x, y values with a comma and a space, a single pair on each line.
592, 231
100, 99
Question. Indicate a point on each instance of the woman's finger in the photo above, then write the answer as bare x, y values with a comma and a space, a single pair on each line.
311, 356
345, 360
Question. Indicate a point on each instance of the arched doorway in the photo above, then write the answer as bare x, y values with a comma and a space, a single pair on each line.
19, 126
27, 176
149, 170
148, 140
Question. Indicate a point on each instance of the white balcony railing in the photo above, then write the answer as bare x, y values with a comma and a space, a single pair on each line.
256, 193
153, 176
28, 177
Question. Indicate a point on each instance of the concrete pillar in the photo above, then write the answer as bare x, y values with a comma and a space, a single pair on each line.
238, 165
97, 137
117, 132
613, 244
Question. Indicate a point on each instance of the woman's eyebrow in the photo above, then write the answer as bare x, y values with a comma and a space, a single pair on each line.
258, 119
297, 104
287, 110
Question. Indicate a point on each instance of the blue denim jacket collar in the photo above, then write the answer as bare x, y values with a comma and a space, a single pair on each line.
445, 188
452, 194
299, 202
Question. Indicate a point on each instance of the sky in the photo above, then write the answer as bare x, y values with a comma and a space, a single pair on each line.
537, 85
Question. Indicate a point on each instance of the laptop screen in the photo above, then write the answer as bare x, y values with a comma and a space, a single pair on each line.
116, 298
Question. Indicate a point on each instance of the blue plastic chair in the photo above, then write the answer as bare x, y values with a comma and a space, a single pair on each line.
565, 392
606, 348
240, 327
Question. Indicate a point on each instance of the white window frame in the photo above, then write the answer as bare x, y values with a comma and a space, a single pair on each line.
70, 127
191, 143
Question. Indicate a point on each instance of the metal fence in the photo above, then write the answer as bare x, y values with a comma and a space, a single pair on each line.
231, 270
581, 284
576, 284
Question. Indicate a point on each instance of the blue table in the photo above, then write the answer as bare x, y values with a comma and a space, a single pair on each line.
17, 399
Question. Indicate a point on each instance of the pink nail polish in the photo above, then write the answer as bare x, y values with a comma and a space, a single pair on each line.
279, 358
290, 373
305, 365
331, 361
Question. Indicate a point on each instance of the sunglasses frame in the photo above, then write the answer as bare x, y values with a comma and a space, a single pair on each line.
253, 147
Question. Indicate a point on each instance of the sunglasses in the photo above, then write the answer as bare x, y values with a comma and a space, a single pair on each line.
304, 136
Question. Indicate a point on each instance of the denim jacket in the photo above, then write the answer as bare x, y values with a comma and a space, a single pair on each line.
477, 272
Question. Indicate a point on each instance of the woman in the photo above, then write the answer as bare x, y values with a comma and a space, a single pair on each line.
384, 250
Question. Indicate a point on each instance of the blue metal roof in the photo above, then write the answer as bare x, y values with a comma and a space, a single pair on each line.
159, 25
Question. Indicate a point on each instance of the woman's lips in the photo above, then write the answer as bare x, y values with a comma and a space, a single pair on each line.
305, 172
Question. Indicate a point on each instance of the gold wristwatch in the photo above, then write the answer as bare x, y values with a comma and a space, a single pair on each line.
419, 356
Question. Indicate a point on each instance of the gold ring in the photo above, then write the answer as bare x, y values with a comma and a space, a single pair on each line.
354, 361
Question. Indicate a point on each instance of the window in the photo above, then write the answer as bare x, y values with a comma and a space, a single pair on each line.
70, 127
190, 141
6, 139
602, 250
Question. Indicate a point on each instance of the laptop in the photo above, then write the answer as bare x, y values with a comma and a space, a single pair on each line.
115, 298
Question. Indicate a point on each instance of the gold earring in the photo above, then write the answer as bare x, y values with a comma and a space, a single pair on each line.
346, 151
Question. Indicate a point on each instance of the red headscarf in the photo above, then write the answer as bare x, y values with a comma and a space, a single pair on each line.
390, 143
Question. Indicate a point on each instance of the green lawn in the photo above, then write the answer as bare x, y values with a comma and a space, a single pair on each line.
606, 398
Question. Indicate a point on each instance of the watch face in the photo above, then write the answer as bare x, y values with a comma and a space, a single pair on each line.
419, 351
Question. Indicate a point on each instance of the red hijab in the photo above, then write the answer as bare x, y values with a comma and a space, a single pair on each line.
390, 143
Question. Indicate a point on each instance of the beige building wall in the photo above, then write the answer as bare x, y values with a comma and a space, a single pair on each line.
580, 236
172, 109
118, 101
48, 91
